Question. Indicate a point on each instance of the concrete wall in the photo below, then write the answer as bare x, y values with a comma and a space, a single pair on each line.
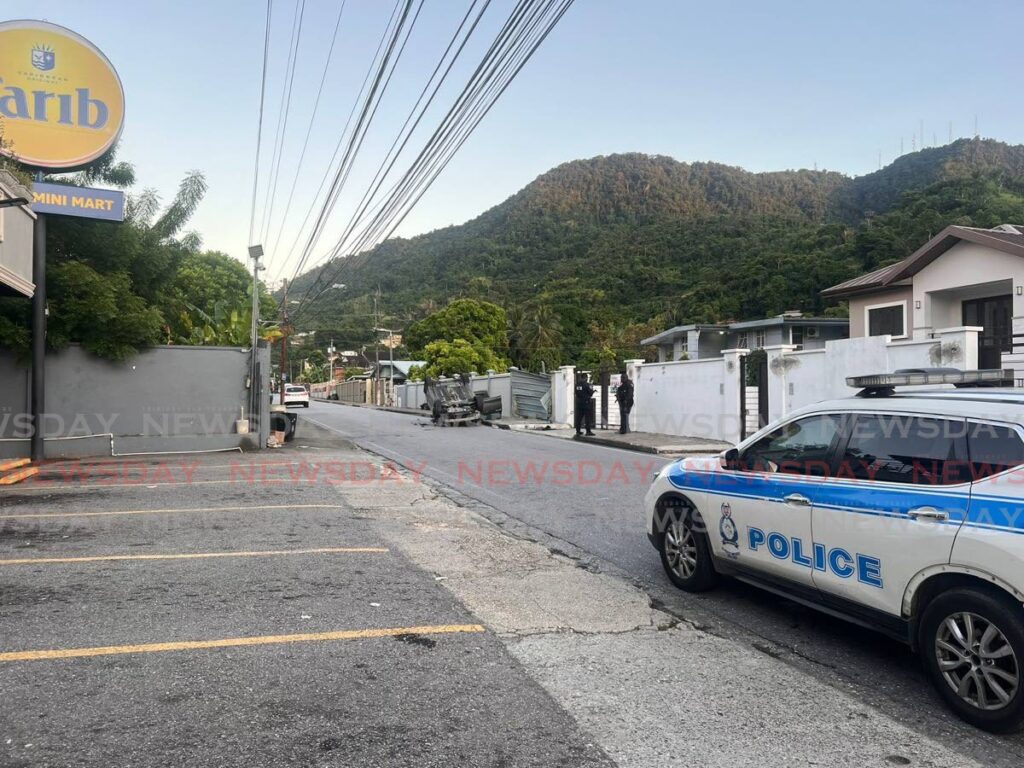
682, 398
701, 398
172, 398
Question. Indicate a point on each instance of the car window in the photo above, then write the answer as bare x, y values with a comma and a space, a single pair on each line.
993, 449
905, 449
801, 447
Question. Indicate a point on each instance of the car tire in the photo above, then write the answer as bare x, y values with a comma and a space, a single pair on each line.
685, 552
305, 405
972, 646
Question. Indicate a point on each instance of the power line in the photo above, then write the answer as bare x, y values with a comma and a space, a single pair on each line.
282, 116
259, 128
369, 111
309, 129
341, 137
386, 165
494, 92
513, 20
515, 45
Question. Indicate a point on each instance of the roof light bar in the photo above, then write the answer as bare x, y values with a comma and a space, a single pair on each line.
925, 376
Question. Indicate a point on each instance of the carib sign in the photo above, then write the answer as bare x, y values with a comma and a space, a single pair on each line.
61, 101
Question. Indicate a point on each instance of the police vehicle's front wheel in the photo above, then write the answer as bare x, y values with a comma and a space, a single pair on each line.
973, 647
685, 554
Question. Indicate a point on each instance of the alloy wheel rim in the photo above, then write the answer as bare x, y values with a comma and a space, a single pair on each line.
977, 661
681, 549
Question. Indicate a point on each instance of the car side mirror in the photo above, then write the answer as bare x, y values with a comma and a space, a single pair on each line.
731, 458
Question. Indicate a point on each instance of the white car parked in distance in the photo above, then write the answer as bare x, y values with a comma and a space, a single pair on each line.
898, 510
296, 394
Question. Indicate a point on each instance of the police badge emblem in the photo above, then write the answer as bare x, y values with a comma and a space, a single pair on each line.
730, 534
44, 58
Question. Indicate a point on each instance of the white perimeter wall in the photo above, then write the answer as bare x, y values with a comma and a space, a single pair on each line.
684, 398
700, 398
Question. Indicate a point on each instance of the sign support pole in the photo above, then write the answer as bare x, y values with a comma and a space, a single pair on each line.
38, 336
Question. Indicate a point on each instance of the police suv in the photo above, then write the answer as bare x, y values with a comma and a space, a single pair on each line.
899, 510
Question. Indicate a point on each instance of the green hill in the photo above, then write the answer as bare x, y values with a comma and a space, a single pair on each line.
619, 245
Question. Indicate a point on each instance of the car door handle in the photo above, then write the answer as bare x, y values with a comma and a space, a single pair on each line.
797, 500
928, 513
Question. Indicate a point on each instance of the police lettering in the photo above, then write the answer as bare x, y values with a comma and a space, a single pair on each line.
836, 560
70, 109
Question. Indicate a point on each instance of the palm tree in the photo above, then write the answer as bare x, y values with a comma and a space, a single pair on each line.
542, 337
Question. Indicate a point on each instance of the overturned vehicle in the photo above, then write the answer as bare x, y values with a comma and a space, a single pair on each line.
453, 402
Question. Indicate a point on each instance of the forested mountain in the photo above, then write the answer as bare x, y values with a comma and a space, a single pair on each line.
618, 246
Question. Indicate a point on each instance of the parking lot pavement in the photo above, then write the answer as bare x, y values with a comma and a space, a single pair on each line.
172, 611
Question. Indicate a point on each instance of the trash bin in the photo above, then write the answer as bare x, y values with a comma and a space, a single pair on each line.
285, 421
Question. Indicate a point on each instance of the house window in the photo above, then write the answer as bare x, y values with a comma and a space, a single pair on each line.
796, 335
887, 319
759, 339
742, 340
995, 315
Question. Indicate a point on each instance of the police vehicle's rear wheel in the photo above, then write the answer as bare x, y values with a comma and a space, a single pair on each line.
685, 554
973, 647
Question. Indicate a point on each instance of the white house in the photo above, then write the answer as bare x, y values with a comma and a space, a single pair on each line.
704, 341
964, 276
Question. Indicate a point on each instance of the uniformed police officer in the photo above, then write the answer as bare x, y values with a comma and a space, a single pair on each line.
584, 394
624, 397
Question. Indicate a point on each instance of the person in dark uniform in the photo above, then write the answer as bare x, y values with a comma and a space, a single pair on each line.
584, 394
624, 397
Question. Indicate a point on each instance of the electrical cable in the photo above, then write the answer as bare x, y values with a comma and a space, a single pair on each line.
282, 118
492, 77
342, 135
259, 128
309, 128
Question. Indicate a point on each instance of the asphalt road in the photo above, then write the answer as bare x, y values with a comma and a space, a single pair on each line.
589, 498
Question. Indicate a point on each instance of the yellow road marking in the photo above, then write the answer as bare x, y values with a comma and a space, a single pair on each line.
195, 555
7, 466
234, 642
19, 476
59, 485
28, 515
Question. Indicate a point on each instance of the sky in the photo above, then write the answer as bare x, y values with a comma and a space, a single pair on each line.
763, 86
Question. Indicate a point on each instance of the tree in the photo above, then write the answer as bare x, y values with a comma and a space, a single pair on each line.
541, 338
479, 323
98, 311
207, 281
111, 286
459, 356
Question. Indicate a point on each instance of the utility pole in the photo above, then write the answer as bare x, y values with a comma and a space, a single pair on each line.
376, 350
285, 329
255, 253
39, 313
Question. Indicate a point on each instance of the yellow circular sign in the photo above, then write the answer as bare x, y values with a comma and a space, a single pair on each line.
61, 101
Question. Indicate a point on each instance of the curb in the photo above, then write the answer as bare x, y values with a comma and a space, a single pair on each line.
406, 411
659, 450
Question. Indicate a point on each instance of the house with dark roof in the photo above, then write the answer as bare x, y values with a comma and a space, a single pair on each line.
704, 341
964, 276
